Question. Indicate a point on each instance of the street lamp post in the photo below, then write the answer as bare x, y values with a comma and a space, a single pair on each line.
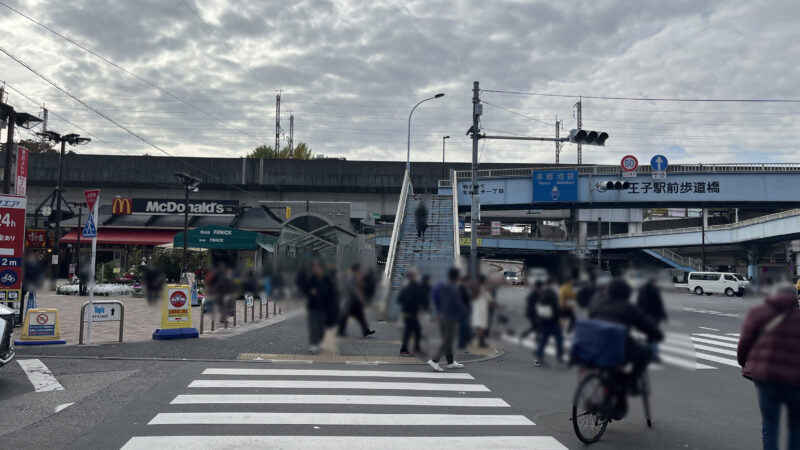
23, 120
444, 173
408, 152
71, 139
189, 183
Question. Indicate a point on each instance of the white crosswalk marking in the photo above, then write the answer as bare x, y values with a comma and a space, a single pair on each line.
237, 407
344, 442
678, 349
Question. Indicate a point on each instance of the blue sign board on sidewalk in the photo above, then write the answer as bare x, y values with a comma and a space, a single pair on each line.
555, 186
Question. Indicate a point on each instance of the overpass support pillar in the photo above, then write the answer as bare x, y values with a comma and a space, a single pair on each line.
753, 255
583, 228
634, 227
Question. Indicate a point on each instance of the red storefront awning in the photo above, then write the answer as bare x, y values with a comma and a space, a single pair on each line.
124, 236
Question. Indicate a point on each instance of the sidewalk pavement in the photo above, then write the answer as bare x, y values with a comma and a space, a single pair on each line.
140, 319
279, 338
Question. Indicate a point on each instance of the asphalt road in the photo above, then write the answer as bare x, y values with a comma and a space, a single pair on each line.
698, 403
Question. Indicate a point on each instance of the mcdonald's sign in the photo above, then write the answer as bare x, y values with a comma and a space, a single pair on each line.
122, 206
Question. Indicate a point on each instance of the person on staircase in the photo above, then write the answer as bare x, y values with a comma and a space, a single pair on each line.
421, 219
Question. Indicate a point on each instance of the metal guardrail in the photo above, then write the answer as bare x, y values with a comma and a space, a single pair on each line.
398, 220
643, 169
102, 302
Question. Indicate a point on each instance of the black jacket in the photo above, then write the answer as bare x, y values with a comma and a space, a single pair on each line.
650, 302
621, 311
421, 214
548, 297
413, 298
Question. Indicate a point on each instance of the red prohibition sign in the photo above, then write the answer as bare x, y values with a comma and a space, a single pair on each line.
629, 163
41, 319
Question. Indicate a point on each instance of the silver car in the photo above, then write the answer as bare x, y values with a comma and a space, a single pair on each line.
6, 335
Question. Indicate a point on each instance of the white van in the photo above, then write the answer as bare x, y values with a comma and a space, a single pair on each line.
715, 283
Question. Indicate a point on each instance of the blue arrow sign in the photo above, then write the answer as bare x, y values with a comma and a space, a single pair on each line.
89, 230
659, 163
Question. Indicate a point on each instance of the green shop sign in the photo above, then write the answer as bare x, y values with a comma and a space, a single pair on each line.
224, 238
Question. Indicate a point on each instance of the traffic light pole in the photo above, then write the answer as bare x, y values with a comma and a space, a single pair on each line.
57, 238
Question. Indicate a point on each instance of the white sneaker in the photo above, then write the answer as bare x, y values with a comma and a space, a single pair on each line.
455, 365
435, 366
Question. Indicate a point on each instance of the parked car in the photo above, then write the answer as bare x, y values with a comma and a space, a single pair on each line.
6, 335
511, 277
715, 283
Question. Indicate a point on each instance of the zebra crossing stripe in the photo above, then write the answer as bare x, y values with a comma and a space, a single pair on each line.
709, 348
714, 336
307, 384
713, 342
272, 418
339, 400
683, 363
337, 373
717, 359
196, 442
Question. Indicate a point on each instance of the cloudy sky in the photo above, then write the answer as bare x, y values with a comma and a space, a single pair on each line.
351, 71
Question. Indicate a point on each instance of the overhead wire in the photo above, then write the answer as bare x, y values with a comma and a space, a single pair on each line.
117, 66
655, 99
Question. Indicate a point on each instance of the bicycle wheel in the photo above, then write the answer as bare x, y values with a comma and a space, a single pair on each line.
590, 409
645, 382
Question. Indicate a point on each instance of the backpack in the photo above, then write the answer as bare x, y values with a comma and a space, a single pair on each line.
599, 343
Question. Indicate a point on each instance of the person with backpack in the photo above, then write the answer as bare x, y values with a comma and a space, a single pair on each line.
768, 353
449, 313
547, 316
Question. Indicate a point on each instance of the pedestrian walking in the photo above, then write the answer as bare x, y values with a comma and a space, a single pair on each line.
413, 299
651, 303
530, 308
451, 309
548, 315
468, 293
480, 315
768, 353
320, 292
567, 302
421, 219
355, 303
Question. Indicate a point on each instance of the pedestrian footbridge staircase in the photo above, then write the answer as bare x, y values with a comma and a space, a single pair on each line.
434, 253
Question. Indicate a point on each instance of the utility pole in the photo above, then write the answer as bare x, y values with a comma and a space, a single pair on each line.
278, 123
558, 142
579, 106
477, 110
12, 118
600, 243
703, 239
291, 134
57, 237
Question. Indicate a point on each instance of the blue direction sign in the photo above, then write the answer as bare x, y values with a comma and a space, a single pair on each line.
89, 230
659, 163
555, 186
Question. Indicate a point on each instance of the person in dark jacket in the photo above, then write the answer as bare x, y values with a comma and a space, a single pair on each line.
616, 307
413, 298
530, 308
451, 309
421, 219
651, 304
547, 314
321, 299
768, 353
355, 299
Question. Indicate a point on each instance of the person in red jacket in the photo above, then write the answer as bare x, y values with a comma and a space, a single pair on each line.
769, 353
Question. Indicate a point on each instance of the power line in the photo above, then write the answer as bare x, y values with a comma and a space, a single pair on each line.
600, 97
516, 113
117, 66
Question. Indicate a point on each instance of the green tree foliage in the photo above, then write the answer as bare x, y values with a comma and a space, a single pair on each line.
300, 151
34, 146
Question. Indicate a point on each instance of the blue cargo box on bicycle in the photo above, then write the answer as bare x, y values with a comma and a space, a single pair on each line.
598, 343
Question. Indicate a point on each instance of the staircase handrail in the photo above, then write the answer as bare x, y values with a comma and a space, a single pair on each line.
398, 221
456, 229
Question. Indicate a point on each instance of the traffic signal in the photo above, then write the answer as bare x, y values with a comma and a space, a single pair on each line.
588, 137
616, 185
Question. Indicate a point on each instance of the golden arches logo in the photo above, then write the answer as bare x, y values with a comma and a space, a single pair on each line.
121, 206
